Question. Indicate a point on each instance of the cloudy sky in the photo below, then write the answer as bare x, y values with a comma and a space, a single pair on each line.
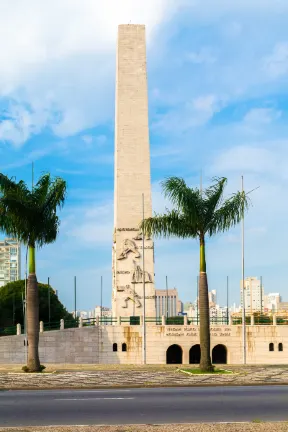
218, 74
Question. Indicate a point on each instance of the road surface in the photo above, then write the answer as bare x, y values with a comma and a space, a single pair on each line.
144, 406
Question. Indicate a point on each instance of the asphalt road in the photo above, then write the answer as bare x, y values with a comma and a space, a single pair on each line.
144, 406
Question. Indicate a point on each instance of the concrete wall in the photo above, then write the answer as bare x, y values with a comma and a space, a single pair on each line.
95, 344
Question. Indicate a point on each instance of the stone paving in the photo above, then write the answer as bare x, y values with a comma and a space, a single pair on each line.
141, 377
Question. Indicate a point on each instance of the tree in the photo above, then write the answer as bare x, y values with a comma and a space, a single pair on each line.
11, 304
198, 214
31, 217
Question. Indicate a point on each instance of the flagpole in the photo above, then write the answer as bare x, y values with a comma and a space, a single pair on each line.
75, 305
227, 300
49, 306
167, 313
144, 288
197, 297
101, 300
243, 287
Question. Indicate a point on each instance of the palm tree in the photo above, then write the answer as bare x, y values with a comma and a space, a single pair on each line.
198, 214
31, 217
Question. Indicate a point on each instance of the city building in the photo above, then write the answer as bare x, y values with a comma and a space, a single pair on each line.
283, 307
168, 305
271, 302
212, 298
10, 261
254, 295
106, 312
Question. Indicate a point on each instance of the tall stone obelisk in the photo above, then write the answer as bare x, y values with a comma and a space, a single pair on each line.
132, 179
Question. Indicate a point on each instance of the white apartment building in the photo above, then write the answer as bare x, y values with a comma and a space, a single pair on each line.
106, 312
168, 303
254, 295
271, 302
10, 261
212, 298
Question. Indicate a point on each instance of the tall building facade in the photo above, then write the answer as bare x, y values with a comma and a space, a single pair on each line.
254, 295
10, 261
271, 302
132, 188
212, 298
168, 303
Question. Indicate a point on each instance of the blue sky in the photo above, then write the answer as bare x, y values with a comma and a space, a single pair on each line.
218, 101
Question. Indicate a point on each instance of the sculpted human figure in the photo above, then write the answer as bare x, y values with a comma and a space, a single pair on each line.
137, 275
132, 295
128, 247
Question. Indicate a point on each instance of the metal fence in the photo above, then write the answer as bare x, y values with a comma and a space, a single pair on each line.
234, 320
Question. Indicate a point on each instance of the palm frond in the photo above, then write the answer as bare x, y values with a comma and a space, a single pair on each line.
214, 193
31, 216
167, 225
56, 194
229, 214
213, 197
182, 197
41, 189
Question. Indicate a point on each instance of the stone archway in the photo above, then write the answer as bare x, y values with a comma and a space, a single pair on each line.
174, 355
195, 354
219, 354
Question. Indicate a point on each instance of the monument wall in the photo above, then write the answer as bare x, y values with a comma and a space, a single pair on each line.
94, 345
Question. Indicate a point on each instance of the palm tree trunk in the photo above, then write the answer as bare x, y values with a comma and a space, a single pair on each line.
32, 314
205, 362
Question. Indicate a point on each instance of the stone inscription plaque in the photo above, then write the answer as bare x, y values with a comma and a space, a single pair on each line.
188, 331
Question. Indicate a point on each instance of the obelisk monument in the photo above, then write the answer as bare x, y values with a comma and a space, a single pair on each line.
132, 179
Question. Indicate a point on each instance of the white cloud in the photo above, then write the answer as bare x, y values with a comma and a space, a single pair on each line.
19, 123
245, 159
88, 139
276, 64
57, 57
261, 116
203, 56
192, 114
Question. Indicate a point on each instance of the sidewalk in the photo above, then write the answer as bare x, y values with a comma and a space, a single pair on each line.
201, 427
113, 376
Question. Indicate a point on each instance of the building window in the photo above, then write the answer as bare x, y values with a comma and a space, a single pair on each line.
271, 347
124, 347
280, 347
115, 347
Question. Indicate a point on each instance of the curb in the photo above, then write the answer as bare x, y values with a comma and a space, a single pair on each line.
139, 386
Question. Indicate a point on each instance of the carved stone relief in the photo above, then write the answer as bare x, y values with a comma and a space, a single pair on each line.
133, 296
137, 275
139, 236
129, 246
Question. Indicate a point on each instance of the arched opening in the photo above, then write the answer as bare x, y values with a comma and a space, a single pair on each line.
271, 346
219, 354
124, 347
280, 347
115, 347
174, 355
195, 354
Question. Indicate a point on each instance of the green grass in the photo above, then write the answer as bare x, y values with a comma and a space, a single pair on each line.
199, 372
